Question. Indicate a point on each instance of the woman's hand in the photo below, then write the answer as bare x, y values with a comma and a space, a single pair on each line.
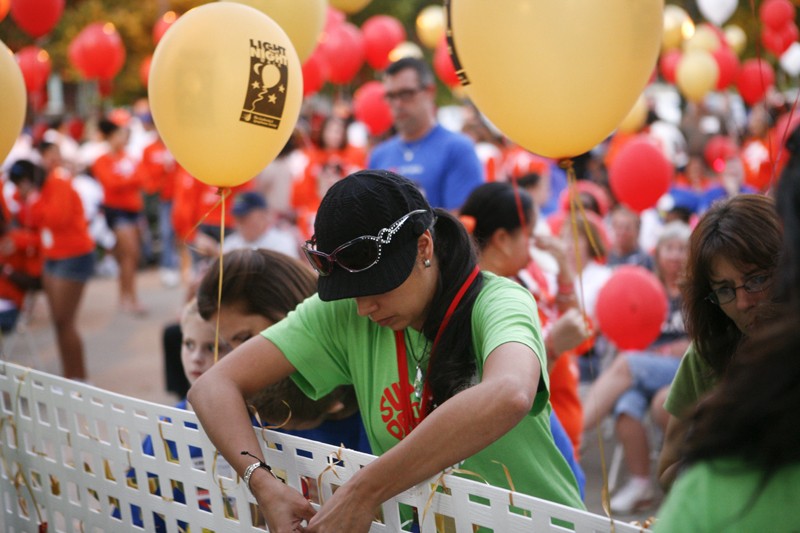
347, 511
569, 331
283, 507
555, 247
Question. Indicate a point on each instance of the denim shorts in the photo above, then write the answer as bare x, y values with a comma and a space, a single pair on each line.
78, 268
8, 319
650, 374
117, 218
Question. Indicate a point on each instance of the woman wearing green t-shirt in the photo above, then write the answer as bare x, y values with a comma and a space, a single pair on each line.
743, 453
430, 344
733, 252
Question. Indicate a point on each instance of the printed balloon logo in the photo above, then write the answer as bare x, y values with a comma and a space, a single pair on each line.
266, 92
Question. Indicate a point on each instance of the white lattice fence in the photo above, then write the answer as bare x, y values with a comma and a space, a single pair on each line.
72, 456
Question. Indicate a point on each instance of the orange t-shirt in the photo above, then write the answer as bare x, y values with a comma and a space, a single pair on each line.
25, 258
158, 170
197, 203
307, 191
58, 214
122, 185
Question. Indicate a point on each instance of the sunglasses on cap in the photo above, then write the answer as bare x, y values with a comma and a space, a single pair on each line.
358, 254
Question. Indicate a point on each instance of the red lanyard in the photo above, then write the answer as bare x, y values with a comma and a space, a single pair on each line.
410, 419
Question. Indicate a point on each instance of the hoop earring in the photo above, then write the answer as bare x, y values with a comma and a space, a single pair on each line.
427, 263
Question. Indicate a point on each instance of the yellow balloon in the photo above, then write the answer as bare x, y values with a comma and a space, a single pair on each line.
302, 20
555, 77
696, 74
405, 49
675, 19
225, 91
704, 38
736, 38
430, 26
636, 117
13, 102
349, 6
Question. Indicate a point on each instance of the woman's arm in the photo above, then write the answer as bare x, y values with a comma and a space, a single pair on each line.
669, 460
218, 399
479, 416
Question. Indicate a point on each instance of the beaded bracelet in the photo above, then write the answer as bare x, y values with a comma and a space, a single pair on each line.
248, 472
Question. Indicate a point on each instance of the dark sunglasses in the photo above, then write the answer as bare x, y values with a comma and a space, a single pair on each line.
358, 254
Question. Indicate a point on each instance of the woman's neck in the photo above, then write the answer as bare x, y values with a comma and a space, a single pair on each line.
492, 262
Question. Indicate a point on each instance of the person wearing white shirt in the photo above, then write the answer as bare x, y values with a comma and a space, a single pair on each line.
255, 227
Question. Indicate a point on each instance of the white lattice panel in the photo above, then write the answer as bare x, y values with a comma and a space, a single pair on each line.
68, 451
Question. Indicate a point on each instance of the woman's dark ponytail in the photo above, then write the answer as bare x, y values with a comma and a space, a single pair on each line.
453, 366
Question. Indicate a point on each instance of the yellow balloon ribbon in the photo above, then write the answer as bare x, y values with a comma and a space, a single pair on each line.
556, 77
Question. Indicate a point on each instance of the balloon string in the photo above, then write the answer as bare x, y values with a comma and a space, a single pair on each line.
223, 192
518, 200
574, 207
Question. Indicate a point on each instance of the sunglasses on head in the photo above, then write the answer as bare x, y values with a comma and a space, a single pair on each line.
358, 254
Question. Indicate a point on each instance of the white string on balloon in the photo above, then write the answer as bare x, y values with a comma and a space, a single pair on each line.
72, 460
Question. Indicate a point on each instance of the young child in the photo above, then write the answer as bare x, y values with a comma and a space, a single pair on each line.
197, 356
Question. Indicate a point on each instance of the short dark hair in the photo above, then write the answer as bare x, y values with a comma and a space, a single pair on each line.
424, 72
494, 206
24, 170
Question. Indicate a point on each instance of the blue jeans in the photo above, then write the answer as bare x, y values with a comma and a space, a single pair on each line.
650, 374
169, 254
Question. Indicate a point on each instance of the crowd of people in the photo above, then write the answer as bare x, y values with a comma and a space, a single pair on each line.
440, 284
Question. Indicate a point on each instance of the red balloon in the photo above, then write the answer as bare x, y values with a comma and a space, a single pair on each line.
36, 17
668, 64
343, 50
35, 66
728, 65
370, 108
719, 149
443, 65
775, 13
640, 174
97, 51
778, 41
163, 23
144, 69
314, 73
631, 308
382, 33
5, 5
755, 77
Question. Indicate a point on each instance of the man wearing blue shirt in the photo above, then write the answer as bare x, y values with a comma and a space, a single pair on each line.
443, 163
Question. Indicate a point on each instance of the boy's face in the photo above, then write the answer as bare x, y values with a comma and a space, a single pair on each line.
197, 350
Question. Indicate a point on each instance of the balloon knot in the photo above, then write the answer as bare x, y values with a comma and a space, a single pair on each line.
565, 163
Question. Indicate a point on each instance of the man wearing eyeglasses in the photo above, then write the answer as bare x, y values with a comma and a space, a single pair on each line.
443, 163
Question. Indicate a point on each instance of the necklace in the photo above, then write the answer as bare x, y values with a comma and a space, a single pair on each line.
419, 377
